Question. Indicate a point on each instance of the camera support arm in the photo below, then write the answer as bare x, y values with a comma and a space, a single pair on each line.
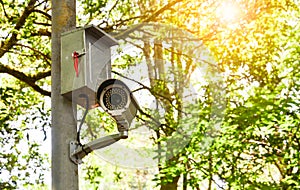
78, 152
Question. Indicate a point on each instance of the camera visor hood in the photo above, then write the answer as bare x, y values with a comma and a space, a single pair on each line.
114, 85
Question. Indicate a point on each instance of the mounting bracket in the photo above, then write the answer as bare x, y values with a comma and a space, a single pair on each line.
78, 152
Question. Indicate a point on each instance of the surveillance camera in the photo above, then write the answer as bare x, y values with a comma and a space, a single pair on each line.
115, 97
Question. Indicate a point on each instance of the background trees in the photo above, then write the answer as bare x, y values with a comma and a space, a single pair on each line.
24, 67
261, 116
255, 45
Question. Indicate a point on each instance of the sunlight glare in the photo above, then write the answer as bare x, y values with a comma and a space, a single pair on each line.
228, 12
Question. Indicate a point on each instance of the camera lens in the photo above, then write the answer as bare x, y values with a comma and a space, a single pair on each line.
115, 98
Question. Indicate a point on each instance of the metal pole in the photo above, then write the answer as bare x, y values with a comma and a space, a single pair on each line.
64, 171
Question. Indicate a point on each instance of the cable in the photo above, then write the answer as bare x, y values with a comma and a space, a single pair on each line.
84, 115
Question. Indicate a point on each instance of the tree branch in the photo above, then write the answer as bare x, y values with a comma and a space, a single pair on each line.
46, 57
43, 13
41, 75
29, 80
13, 39
41, 23
149, 19
3, 7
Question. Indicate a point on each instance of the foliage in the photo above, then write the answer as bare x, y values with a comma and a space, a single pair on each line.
20, 154
25, 55
259, 63
256, 139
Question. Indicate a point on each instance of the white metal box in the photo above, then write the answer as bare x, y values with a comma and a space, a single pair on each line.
85, 63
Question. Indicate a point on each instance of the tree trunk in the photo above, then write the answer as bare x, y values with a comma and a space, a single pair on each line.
171, 185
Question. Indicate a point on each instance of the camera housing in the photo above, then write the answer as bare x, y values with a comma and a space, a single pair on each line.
85, 62
115, 98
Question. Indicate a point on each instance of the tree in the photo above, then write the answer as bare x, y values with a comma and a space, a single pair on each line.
22, 34
23, 27
252, 149
20, 150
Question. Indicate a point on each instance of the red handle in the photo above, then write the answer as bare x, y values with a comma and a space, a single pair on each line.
75, 56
